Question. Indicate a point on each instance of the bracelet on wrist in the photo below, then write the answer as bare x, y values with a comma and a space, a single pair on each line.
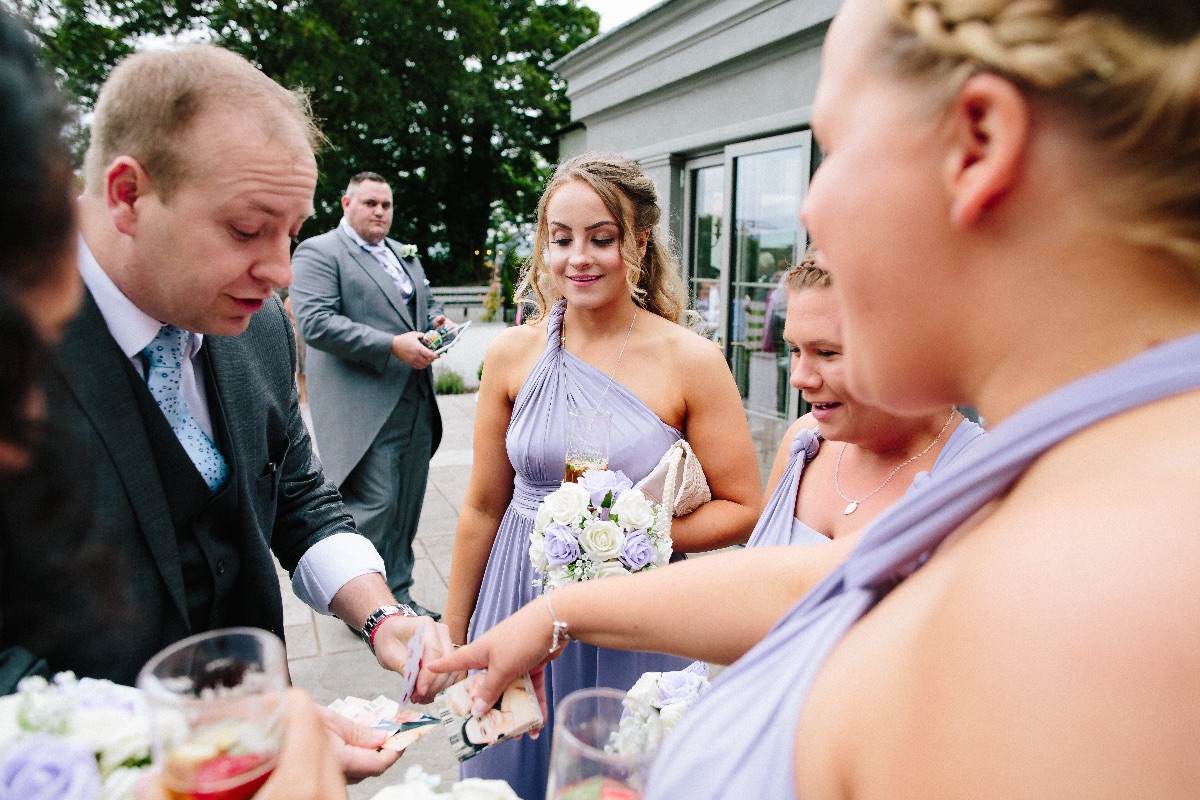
371, 626
561, 635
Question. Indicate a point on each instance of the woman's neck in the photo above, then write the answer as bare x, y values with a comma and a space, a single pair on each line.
612, 320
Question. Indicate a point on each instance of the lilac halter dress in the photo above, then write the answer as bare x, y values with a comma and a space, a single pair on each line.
536, 443
762, 695
778, 524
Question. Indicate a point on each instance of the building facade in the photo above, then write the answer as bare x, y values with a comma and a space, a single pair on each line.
713, 99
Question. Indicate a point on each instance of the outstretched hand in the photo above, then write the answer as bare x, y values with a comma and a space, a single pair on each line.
391, 649
517, 645
357, 747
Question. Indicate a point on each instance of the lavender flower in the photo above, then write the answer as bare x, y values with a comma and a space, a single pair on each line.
561, 546
679, 687
637, 551
46, 768
599, 482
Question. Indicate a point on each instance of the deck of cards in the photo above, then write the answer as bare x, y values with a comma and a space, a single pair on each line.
516, 712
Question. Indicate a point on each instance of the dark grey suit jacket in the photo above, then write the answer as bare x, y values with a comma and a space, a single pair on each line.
284, 504
348, 309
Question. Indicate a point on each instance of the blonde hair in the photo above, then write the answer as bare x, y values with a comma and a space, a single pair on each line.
150, 99
806, 274
654, 280
1129, 70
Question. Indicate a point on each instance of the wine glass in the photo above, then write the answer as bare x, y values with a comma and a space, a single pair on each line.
603, 746
588, 435
216, 704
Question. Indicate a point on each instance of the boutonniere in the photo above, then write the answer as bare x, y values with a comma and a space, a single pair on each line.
408, 250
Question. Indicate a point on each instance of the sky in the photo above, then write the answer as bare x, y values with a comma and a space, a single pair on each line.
614, 12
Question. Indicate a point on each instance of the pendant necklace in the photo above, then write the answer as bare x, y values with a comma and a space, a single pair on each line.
562, 343
854, 504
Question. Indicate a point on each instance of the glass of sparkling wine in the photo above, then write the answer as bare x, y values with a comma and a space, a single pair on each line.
588, 435
603, 747
216, 705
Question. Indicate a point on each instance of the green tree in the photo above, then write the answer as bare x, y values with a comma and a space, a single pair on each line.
453, 100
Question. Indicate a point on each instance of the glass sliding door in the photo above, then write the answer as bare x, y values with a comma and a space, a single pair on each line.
704, 247
769, 178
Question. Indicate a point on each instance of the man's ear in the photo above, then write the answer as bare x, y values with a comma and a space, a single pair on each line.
125, 182
990, 128
345, 202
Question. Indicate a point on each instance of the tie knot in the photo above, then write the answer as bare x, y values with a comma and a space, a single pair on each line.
167, 348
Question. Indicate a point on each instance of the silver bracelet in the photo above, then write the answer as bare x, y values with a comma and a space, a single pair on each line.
561, 636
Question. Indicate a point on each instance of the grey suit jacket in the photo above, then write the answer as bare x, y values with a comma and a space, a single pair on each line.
284, 503
348, 309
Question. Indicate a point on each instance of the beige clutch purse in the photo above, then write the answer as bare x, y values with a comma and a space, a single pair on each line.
677, 481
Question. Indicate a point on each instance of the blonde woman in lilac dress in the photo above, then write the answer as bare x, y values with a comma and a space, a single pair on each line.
606, 336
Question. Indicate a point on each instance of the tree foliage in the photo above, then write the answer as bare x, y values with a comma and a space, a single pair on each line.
453, 100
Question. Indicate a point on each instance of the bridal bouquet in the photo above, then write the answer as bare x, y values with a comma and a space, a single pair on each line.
667, 695
68, 738
595, 528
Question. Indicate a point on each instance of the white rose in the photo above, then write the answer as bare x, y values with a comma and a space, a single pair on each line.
480, 789
670, 715
630, 737
114, 733
418, 785
634, 510
542, 518
602, 540
537, 553
568, 504
645, 691
121, 784
608, 569
662, 551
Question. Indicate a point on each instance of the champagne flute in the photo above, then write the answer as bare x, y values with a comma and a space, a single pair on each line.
216, 704
593, 755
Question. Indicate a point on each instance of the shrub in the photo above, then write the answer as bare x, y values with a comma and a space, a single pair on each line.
449, 382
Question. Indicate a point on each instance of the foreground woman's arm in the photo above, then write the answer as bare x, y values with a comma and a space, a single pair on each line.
713, 608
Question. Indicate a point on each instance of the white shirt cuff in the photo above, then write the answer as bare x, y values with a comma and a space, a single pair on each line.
330, 564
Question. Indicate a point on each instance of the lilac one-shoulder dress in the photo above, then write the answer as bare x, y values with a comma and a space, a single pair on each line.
536, 443
761, 696
778, 524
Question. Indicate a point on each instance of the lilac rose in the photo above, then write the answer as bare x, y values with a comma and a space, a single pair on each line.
637, 551
46, 768
561, 545
678, 687
599, 482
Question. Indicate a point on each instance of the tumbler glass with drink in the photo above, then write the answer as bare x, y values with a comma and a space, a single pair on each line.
587, 759
588, 435
217, 712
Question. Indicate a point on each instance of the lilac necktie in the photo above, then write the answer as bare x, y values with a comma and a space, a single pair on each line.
165, 355
394, 271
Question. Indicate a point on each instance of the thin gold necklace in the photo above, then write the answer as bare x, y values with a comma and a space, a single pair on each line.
853, 504
562, 343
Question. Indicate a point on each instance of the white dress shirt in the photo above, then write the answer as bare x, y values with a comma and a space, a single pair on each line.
328, 565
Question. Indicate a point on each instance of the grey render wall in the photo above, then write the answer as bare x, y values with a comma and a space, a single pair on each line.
690, 76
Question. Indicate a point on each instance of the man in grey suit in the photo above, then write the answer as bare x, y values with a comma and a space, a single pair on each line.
175, 387
362, 304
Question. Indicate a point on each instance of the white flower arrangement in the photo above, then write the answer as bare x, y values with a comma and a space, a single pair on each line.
91, 738
420, 785
407, 250
597, 528
667, 695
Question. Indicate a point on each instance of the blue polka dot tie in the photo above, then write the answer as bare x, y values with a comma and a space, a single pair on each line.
165, 357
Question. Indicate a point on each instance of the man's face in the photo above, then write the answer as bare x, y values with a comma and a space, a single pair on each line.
368, 209
209, 258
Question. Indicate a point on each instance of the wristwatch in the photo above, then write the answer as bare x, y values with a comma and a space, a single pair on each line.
379, 615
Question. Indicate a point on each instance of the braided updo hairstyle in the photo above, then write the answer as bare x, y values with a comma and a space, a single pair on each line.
654, 279
1127, 70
